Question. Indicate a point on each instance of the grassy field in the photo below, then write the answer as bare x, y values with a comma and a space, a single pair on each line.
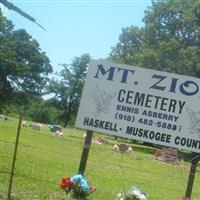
43, 159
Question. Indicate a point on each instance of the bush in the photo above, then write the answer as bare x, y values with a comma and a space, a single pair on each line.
43, 112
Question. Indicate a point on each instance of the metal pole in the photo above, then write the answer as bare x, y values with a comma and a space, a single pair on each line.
15, 155
85, 153
192, 176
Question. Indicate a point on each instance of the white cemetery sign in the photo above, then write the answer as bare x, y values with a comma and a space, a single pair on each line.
142, 104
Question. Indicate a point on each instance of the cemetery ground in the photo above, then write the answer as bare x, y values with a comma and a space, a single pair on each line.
43, 159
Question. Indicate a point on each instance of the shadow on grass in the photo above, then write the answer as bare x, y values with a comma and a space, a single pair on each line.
148, 148
143, 149
137, 146
183, 155
189, 156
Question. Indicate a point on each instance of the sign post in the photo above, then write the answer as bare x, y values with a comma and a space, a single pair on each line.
192, 176
85, 153
15, 154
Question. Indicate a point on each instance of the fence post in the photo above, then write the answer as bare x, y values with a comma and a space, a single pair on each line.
192, 176
85, 152
15, 154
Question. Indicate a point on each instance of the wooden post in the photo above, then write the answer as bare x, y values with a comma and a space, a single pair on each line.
85, 153
15, 155
192, 176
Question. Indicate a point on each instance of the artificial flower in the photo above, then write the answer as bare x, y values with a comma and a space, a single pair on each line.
78, 185
66, 182
132, 194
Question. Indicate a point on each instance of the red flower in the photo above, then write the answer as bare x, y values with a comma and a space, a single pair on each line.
66, 183
70, 184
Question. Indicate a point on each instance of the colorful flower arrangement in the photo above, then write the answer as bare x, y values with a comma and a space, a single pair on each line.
77, 185
132, 194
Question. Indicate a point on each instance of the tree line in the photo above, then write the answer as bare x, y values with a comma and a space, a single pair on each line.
168, 41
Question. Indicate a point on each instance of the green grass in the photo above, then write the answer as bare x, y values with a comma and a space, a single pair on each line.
43, 159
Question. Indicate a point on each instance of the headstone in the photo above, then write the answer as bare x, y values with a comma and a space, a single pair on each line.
168, 155
36, 126
122, 148
56, 128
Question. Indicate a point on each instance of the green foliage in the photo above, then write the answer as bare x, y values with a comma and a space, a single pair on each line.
43, 112
169, 41
12, 110
68, 89
129, 47
24, 68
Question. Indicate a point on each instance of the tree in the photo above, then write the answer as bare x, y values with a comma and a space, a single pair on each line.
24, 68
42, 111
67, 91
170, 39
129, 47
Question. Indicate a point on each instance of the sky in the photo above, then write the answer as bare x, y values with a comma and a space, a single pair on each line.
76, 27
